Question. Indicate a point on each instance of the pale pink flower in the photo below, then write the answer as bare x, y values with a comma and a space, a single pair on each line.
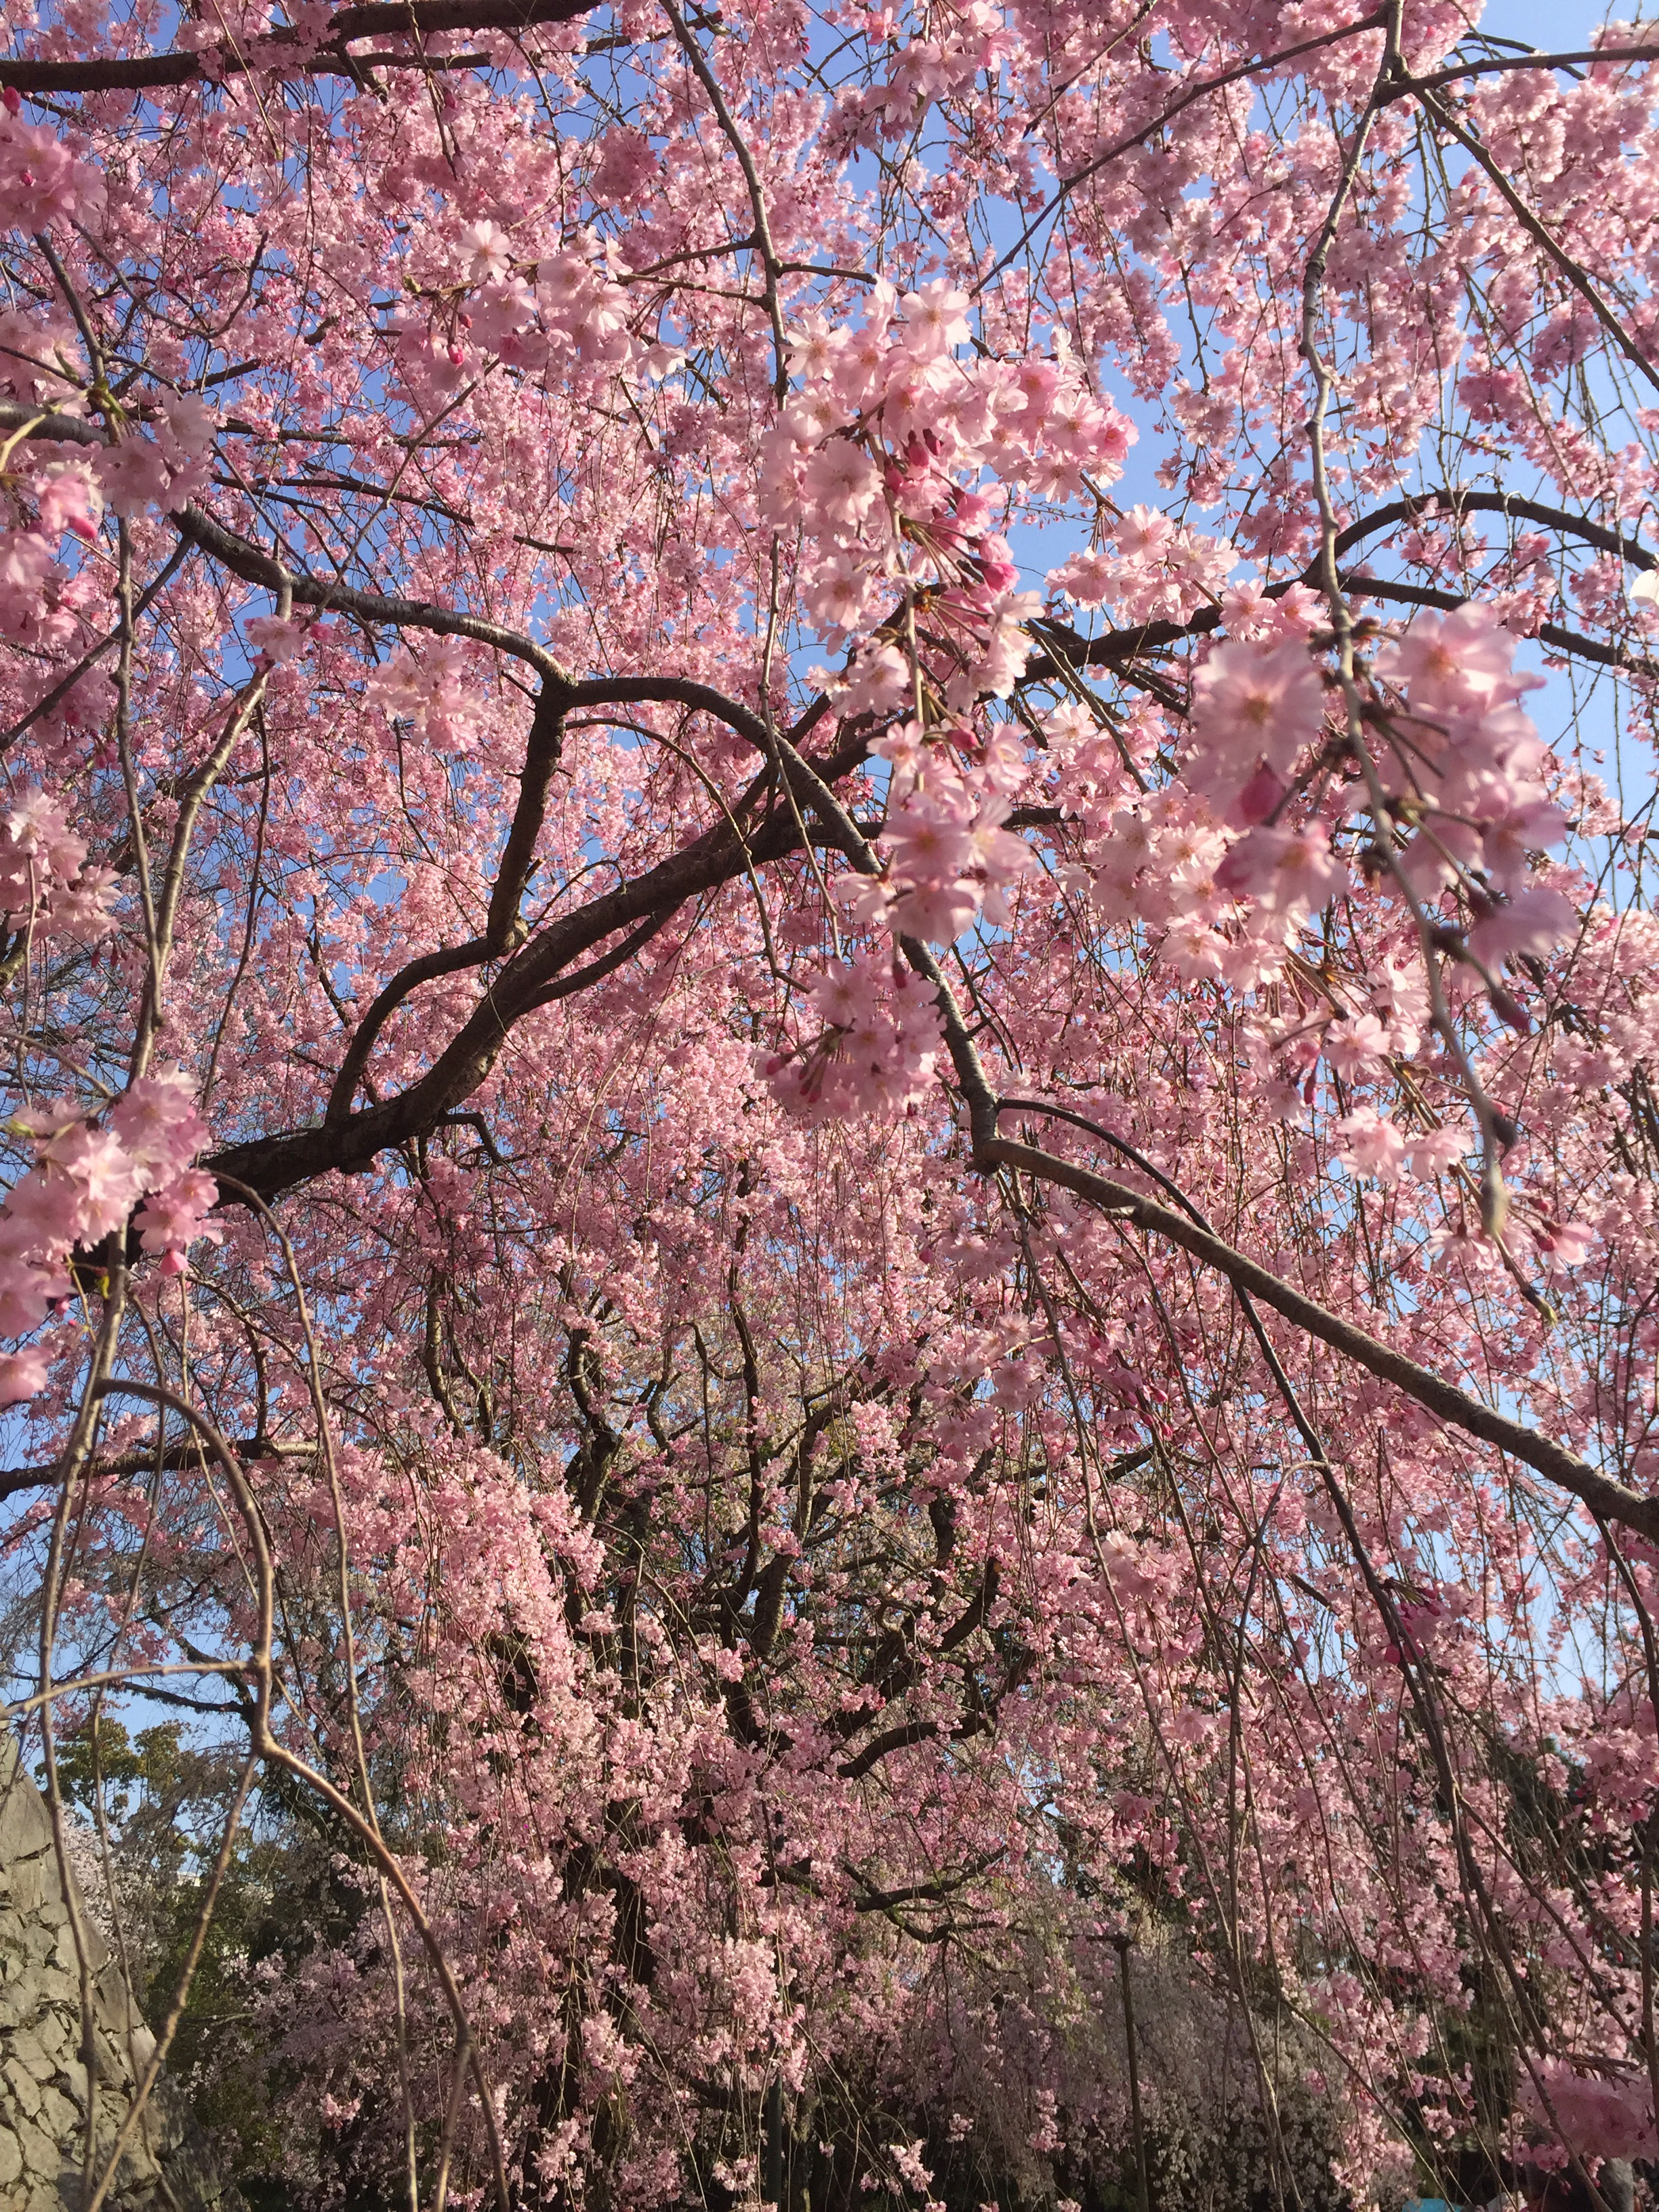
1535, 922
192, 427
1287, 872
937, 913
27, 1287
842, 480
931, 842
1370, 1145
1251, 705
133, 474
1434, 1151
99, 1180
22, 1375
934, 320
278, 641
486, 252
157, 1122
1459, 659
171, 1219
625, 165
838, 597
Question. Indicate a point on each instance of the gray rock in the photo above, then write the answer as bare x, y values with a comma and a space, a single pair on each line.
44, 2093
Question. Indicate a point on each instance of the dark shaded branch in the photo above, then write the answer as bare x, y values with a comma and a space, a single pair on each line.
542, 755
1116, 648
1549, 634
179, 1454
889, 1740
1457, 1408
872, 1899
536, 975
448, 961
977, 1611
542, 752
900, 1738
1407, 86
566, 986
480, 1129
57, 430
1494, 502
247, 560
277, 52
669, 690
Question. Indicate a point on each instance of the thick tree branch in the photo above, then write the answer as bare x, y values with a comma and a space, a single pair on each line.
1114, 648
541, 758
1493, 502
328, 595
1457, 1408
279, 53
176, 1454
1494, 65
1550, 633
1611, 1499
538, 975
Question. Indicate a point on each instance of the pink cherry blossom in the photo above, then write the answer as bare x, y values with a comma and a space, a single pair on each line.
934, 320
842, 482
23, 1375
1287, 872
1370, 1144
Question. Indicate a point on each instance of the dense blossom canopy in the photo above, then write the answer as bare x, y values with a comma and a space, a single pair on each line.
831, 1020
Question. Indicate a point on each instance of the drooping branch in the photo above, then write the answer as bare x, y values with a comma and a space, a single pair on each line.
1258, 65
1540, 232
1613, 1500
1548, 634
1114, 648
1459, 501
254, 566
246, 560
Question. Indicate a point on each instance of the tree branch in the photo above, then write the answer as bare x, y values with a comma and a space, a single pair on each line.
276, 54
1613, 1500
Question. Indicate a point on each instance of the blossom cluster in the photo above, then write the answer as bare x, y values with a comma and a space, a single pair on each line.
1151, 569
83, 1186
949, 858
46, 886
1454, 776
566, 313
876, 1050
40, 596
42, 183
1467, 769
870, 460
437, 691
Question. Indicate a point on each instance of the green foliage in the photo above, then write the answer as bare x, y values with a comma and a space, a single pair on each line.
163, 1804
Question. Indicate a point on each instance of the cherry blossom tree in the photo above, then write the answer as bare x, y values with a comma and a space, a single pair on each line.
830, 1013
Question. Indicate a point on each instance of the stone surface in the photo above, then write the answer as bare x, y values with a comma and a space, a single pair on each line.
43, 2073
